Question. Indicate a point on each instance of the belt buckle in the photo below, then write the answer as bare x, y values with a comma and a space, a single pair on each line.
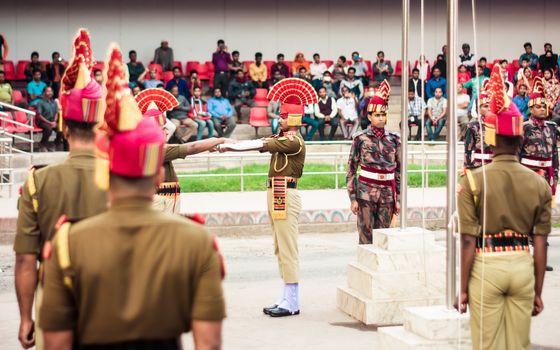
542, 163
381, 176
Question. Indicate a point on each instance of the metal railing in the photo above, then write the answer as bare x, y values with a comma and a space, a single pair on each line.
6, 167
5, 120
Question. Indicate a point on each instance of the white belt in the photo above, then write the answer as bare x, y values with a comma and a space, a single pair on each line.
377, 176
537, 163
482, 156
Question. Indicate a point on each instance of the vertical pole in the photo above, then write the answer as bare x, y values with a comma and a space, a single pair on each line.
452, 8
404, 116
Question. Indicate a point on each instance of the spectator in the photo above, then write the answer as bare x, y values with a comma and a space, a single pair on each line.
179, 82
47, 119
317, 68
135, 90
201, 115
526, 79
437, 81
483, 62
35, 88
362, 107
276, 77
5, 90
531, 57
437, 111
152, 82
381, 69
441, 65
551, 89
236, 65
548, 59
32, 66
503, 67
221, 60
299, 61
304, 74
194, 81
328, 84
423, 66
361, 68
326, 111
348, 111
523, 64
221, 111
273, 113
55, 70
258, 72
339, 69
280, 67
353, 84
522, 100
310, 121
241, 92
415, 83
98, 76
468, 59
463, 103
164, 56
463, 76
416, 110
185, 126
135, 68
444, 52
474, 84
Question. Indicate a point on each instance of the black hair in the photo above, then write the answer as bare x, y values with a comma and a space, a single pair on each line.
2, 72
355, 53
509, 144
131, 52
436, 68
34, 53
503, 61
483, 59
81, 130
316, 55
528, 44
235, 53
547, 44
160, 86
352, 69
197, 88
221, 41
525, 59
96, 70
342, 58
36, 70
217, 88
465, 45
439, 56
411, 90
439, 87
193, 71
415, 70
258, 54
380, 52
322, 88
176, 68
279, 55
55, 53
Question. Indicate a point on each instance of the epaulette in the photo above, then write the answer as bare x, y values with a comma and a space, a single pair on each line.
359, 133
551, 123
472, 184
216, 247
32, 186
63, 248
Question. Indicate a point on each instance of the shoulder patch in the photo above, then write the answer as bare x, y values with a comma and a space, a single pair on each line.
216, 247
283, 138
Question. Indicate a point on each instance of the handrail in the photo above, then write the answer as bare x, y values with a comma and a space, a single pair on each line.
10, 106
30, 128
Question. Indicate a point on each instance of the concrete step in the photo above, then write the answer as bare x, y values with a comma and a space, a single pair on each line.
395, 239
398, 338
380, 260
436, 323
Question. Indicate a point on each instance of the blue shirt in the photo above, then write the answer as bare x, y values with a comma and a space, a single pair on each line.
152, 84
219, 106
433, 84
532, 58
181, 84
34, 88
523, 105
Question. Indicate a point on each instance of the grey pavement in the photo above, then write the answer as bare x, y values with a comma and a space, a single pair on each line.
252, 282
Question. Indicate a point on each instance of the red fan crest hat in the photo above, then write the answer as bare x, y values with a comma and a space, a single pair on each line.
81, 97
483, 96
503, 117
155, 102
537, 93
380, 101
128, 145
293, 94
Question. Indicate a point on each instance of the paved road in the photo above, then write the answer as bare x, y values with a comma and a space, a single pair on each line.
252, 282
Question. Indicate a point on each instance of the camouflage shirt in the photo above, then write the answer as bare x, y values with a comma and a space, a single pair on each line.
540, 140
472, 145
370, 150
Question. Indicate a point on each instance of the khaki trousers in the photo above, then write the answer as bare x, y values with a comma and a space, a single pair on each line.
507, 303
285, 235
167, 204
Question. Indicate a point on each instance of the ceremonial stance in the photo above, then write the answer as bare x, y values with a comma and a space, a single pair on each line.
477, 153
132, 277
375, 191
67, 188
500, 281
154, 103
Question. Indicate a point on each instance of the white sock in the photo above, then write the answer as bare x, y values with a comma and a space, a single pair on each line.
291, 297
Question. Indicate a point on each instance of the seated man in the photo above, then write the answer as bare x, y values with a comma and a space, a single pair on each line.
236, 65
381, 68
151, 82
54, 73
241, 92
33, 66
35, 88
186, 127
326, 112
179, 82
280, 67
201, 115
353, 84
312, 123
135, 68
47, 119
258, 72
317, 68
416, 109
5, 90
437, 110
304, 74
463, 102
348, 112
221, 111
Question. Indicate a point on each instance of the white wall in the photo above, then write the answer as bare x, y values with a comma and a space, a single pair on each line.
325, 26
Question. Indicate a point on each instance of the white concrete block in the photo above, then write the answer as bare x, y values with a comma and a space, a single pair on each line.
377, 259
398, 338
395, 239
436, 323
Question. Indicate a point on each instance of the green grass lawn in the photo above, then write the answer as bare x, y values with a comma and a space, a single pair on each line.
309, 181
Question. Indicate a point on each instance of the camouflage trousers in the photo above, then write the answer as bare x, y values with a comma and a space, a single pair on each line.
375, 210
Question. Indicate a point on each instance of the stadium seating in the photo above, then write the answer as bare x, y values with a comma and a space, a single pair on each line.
269, 65
159, 70
20, 75
9, 70
260, 98
191, 65
167, 76
17, 96
328, 63
258, 118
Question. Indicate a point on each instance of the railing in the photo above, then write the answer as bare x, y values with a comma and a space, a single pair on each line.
337, 159
6, 120
6, 168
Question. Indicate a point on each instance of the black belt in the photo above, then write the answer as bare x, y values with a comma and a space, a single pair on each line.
503, 242
168, 188
289, 184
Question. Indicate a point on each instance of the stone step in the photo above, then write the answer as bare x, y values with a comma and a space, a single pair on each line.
395, 285
436, 323
382, 312
381, 260
398, 338
394, 239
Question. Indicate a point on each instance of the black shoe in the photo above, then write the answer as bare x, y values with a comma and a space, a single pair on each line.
267, 309
280, 312
549, 268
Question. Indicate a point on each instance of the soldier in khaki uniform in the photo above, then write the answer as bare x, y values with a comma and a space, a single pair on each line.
500, 281
60, 189
132, 277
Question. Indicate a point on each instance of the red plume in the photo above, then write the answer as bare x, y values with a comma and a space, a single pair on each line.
81, 53
495, 90
116, 86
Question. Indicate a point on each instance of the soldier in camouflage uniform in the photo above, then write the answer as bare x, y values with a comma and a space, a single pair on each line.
474, 156
374, 193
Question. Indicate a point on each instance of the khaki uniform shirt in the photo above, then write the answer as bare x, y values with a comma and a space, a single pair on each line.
137, 274
288, 155
517, 199
173, 152
67, 189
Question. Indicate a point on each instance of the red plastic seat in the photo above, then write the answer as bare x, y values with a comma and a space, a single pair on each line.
20, 72
328, 63
369, 68
191, 65
178, 65
167, 76
9, 70
247, 64
260, 98
258, 118
21, 117
203, 71
17, 96
516, 64
44, 65
289, 64
269, 65
6, 124
158, 69
398, 69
